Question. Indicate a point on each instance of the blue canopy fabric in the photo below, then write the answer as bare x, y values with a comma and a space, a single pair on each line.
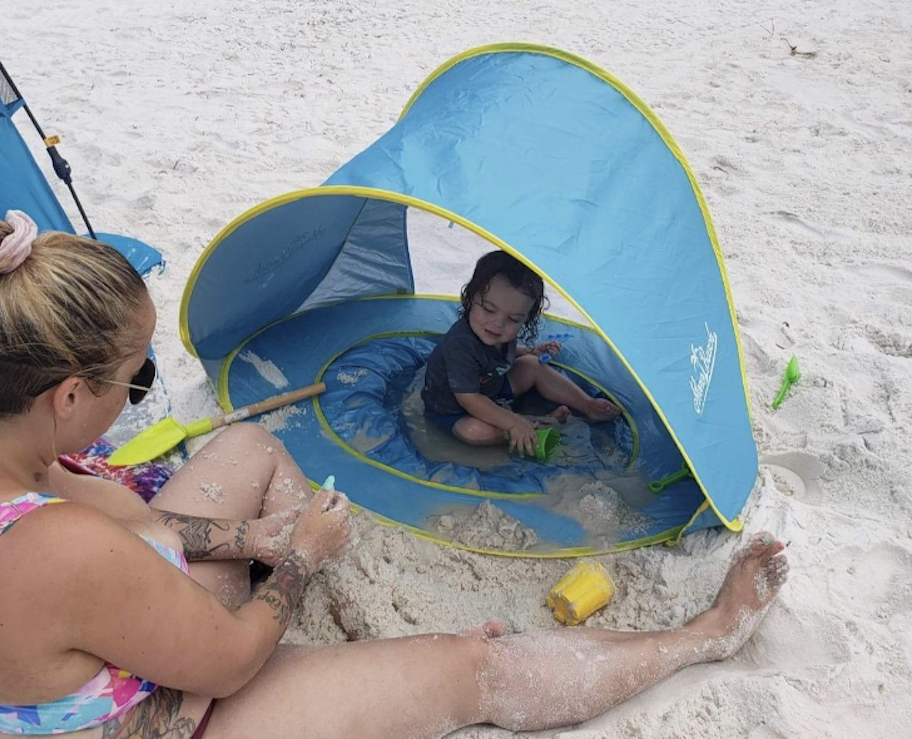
555, 161
24, 187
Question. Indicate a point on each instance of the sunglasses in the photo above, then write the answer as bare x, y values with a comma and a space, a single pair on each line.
140, 384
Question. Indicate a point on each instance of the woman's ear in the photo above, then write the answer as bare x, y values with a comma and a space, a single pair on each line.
66, 397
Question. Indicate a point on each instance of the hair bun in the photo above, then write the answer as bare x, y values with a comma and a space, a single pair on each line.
16, 247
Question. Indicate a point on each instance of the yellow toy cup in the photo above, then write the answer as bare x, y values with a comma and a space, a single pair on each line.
580, 593
548, 440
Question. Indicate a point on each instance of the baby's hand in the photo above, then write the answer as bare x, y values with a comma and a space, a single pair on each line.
549, 347
522, 437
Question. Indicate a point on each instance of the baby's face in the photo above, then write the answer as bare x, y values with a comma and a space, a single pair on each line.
498, 314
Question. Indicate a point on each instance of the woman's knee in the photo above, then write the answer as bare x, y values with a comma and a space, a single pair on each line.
470, 655
250, 436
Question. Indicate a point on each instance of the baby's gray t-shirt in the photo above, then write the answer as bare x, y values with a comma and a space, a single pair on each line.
463, 363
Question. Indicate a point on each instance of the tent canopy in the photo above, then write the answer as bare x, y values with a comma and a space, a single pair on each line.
555, 161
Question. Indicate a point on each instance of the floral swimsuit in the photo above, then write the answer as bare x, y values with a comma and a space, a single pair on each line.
111, 693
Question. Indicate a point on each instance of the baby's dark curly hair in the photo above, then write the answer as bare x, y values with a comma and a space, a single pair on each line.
500, 264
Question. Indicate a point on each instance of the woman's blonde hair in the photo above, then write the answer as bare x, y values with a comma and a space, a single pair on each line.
69, 309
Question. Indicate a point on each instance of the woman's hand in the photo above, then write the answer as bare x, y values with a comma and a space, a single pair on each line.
522, 436
323, 528
269, 538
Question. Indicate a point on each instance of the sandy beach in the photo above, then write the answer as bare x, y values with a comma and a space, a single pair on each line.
797, 120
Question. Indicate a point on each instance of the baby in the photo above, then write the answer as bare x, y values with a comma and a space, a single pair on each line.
478, 369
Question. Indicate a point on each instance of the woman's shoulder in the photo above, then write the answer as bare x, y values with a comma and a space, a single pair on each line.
52, 537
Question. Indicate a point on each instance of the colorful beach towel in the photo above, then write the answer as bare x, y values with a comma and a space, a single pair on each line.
145, 480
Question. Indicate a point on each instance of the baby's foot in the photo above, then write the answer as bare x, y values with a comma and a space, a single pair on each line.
752, 582
560, 414
601, 409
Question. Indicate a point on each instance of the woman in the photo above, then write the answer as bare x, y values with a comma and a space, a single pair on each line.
93, 590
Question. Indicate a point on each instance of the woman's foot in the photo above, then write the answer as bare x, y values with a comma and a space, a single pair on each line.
752, 583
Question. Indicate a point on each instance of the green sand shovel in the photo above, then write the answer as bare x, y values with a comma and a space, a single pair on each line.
168, 433
792, 375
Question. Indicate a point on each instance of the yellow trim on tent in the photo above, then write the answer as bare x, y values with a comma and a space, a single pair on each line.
649, 114
690, 523
410, 201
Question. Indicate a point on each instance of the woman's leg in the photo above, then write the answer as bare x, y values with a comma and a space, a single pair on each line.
243, 473
426, 686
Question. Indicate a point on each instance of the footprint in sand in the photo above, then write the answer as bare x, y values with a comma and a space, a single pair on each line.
798, 637
873, 583
889, 342
796, 475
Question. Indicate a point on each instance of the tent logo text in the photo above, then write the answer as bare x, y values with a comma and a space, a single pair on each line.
264, 268
702, 363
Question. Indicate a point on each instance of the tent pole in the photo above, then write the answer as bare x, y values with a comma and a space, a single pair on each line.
61, 166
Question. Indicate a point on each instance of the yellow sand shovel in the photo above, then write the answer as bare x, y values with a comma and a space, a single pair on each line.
168, 433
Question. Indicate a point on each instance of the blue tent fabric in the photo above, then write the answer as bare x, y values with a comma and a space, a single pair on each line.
554, 160
24, 187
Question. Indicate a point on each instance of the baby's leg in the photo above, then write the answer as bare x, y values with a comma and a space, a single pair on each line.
474, 431
527, 372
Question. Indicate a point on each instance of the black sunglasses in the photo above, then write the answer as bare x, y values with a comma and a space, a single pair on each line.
140, 384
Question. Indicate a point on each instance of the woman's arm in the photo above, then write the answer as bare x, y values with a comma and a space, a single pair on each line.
115, 500
263, 539
202, 538
208, 538
109, 594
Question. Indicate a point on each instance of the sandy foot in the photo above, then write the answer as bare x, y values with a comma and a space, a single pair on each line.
752, 583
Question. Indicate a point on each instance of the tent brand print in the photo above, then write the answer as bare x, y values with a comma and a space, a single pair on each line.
264, 268
703, 362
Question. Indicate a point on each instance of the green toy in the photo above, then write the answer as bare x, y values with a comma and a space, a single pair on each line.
792, 375
548, 440
657, 486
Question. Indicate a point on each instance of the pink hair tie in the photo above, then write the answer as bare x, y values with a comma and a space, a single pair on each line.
16, 247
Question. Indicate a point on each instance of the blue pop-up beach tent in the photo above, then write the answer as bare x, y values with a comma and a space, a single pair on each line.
553, 160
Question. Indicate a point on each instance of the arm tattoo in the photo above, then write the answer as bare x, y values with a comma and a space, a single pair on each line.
196, 533
282, 591
157, 717
240, 536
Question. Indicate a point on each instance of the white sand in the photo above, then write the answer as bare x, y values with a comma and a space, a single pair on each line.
177, 117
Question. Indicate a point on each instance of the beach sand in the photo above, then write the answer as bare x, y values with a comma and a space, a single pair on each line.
797, 120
